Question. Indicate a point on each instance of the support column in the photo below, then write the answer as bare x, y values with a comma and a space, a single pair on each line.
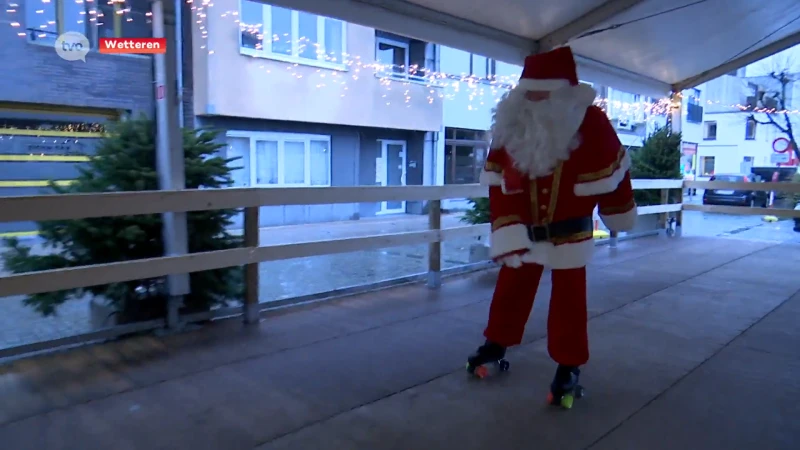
169, 152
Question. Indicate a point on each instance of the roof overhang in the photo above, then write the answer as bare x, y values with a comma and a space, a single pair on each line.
661, 46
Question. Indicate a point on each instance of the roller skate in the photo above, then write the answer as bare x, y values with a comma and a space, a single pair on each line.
489, 357
565, 388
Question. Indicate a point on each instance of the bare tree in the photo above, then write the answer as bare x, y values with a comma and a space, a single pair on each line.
773, 103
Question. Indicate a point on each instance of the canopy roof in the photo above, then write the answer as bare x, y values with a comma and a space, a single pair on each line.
661, 45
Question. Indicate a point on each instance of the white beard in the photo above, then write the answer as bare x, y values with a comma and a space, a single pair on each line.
538, 135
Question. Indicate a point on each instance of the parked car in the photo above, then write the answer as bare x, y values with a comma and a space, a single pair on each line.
736, 197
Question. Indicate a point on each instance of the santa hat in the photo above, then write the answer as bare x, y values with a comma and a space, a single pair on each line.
549, 71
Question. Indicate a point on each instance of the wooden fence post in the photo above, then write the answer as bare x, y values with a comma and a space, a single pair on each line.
435, 248
251, 239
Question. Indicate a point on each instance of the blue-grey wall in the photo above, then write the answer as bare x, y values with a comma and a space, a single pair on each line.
353, 153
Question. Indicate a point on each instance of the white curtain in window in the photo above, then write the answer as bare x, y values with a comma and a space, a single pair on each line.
480, 66
334, 45
507, 71
319, 157
294, 162
453, 61
266, 162
239, 147
281, 21
307, 41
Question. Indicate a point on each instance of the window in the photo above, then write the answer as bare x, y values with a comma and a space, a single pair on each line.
750, 130
709, 131
47, 19
276, 159
482, 67
464, 155
393, 55
458, 63
694, 111
286, 34
402, 57
694, 98
707, 165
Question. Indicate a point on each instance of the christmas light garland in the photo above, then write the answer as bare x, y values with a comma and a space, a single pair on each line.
483, 93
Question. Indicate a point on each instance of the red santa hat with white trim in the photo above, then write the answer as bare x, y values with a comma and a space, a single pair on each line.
549, 71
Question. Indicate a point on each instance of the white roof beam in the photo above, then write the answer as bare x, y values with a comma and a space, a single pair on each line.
408, 19
617, 78
738, 63
585, 23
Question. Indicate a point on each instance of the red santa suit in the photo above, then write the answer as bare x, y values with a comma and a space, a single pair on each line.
542, 202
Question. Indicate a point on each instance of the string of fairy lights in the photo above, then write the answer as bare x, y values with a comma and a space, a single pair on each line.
340, 68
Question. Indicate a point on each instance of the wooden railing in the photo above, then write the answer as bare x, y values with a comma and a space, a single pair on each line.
80, 206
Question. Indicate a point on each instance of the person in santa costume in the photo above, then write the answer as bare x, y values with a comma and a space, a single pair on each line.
554, 158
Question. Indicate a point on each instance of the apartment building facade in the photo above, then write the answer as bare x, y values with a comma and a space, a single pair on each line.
477, 84
728, 141
306, 100
53, 111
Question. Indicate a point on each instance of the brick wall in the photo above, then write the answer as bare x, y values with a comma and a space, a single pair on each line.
33, 73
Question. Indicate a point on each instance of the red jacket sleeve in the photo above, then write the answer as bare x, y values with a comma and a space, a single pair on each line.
506, 209
605, 172
618, 208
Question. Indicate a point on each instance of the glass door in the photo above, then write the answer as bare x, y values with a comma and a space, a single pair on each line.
390, 169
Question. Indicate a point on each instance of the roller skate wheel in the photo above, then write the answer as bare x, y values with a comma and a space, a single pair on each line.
504, 365
481, 371
567, 401
549, 398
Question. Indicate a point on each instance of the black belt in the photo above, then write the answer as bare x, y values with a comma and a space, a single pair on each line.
561, 229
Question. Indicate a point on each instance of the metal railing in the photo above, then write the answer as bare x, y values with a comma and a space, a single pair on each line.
83, 206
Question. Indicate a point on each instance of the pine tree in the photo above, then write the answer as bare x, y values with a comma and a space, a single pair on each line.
659, 158
126, 161
478, 212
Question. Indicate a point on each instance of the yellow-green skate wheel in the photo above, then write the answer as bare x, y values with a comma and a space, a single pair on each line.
567, 401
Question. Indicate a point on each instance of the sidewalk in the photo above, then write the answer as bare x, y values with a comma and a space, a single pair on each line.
700, 354
19, 324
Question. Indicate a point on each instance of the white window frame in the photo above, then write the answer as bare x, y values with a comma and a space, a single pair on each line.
266, 42
490, 68
406, 61
281, 139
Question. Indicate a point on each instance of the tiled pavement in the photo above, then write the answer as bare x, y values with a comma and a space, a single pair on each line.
694, 346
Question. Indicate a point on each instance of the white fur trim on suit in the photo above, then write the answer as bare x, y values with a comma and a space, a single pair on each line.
564, 256
509, 238
621, 222
487, 178
529, 84
604, 185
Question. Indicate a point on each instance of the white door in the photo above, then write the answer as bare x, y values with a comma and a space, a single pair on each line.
390, 170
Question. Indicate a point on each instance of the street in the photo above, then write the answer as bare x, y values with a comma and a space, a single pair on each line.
312, 275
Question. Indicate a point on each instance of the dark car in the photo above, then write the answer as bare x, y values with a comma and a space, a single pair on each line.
735, 198
797, 219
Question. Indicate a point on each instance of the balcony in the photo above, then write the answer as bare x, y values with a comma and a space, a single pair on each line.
694, 113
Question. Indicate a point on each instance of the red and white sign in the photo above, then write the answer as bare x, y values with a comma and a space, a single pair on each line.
689, 148
133, 46
781, 145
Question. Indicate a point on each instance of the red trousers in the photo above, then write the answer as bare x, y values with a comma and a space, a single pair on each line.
567, 337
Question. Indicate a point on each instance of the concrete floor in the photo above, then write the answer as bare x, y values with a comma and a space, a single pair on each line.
694, 346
